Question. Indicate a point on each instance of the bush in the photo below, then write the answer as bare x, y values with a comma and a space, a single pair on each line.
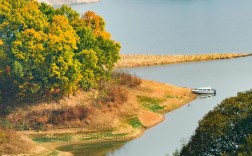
226, 130
126, 79
43, 119
109, 92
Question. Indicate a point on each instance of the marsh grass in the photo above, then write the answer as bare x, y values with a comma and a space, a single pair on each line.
170, 96
152, 104
135, 122
101, 135
44, 139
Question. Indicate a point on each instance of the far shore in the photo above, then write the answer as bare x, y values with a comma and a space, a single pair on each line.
67, 2
137, 60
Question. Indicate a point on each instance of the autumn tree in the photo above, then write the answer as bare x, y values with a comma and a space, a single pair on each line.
51, 52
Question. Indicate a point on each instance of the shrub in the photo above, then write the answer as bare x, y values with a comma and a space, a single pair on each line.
109, 92
126, 79
225, 130
42, 119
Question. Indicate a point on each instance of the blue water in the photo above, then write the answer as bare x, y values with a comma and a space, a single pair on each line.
177, 26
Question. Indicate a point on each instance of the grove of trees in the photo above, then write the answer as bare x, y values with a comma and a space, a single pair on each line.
51, 52
226, 130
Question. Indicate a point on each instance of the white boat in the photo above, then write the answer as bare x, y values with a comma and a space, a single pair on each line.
204, 90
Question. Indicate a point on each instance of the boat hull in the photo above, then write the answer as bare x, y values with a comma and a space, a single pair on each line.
207, 90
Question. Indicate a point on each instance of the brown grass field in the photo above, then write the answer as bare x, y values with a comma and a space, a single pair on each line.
149, 60
124, 113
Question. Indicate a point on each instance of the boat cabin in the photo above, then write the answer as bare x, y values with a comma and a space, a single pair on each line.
204, 90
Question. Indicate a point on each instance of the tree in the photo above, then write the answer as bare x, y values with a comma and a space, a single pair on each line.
51, 52
225, 129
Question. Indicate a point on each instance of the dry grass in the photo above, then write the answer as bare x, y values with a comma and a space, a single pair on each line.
75, 111
110, 92
126, 79
148, 60
116, 90
11, 143
77, 115
65, 116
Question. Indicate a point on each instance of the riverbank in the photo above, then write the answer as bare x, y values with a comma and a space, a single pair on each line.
149, 60
144, 108
67, 2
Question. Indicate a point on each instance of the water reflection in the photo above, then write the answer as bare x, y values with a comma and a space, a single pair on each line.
95, 149
206, 96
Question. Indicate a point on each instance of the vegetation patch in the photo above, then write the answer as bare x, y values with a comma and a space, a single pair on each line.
225, 130
44, 139
152, 104
135, 122
44, 119
126, 79
109, 92
108, 134
170, 96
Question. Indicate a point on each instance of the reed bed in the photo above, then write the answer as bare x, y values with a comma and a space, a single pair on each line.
149, 60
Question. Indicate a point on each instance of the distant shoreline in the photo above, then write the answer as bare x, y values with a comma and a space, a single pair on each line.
150, 60
67, 2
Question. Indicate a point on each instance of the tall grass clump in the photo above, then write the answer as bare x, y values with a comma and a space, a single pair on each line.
11, 143
126, 79
110, 92
45, 118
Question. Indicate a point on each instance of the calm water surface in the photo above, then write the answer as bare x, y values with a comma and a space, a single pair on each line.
178, 27
227, 76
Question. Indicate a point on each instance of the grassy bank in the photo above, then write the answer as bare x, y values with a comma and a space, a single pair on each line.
109, 115
148, 60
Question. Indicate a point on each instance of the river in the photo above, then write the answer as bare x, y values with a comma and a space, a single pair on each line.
178, 27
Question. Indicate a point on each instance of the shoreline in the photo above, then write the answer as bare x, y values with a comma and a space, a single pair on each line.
138, 60
67, 2
173, 98
117, 117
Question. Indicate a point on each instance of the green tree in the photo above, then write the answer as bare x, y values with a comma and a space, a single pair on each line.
224, 129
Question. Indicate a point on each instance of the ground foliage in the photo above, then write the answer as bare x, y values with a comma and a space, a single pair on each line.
226, 130
48, 52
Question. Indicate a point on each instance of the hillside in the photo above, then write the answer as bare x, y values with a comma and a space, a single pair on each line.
119, 120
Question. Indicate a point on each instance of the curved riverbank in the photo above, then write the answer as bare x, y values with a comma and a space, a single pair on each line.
149, 60
125, 122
